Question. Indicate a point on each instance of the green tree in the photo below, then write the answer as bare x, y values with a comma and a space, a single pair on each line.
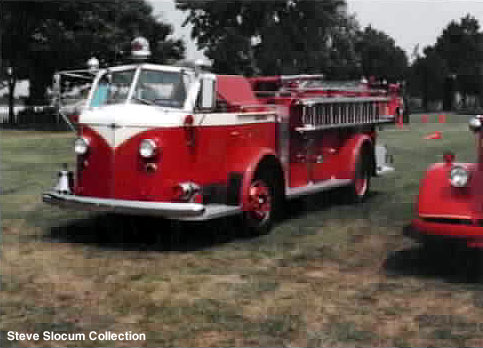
42, 37
427, 76
456, 60
460, 45
380, 56
274, 37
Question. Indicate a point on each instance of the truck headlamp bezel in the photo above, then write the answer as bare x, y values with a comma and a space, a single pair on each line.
148, 148
81, 146
459, 176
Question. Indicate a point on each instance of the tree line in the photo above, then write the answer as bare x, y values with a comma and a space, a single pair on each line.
291, 37
453, 63
239, 36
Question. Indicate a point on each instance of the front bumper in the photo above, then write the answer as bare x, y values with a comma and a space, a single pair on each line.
421, 229
384, 161
177, 211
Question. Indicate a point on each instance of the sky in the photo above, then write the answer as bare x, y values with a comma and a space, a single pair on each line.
409, 22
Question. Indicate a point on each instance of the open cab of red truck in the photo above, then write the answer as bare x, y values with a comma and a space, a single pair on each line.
183, 143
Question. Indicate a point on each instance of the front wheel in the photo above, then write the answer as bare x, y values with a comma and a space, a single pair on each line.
260, 208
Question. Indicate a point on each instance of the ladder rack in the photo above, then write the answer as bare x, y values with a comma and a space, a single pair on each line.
338, 112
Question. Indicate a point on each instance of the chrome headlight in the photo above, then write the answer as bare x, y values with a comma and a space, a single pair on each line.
81, 146
147, 148
475, 124
459, 177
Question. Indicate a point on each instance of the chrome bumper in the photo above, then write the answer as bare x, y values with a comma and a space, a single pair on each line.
178, 211
384, 161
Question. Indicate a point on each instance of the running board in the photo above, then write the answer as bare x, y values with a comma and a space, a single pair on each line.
295, 192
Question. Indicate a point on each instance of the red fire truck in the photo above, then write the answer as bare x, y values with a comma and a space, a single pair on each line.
182, 143
450, 202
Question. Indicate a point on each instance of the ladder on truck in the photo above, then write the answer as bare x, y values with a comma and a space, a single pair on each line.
70, 91
322, 104
336, 112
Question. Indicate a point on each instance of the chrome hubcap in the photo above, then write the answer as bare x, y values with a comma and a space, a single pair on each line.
259, 201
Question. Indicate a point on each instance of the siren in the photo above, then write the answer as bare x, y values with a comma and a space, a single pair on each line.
140, 48
202, 64
93, 64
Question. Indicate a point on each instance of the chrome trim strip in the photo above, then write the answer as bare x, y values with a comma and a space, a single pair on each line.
311, 128
294, 192
124, 206
214, 211
326, 100
445, 216
178, 211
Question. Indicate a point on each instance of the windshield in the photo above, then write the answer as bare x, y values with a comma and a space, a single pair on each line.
113, 88
161, 88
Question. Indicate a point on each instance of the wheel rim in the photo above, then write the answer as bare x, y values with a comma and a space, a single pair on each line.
259, 202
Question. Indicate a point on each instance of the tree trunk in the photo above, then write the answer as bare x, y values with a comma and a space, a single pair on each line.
39, 81
425, 90
11, 107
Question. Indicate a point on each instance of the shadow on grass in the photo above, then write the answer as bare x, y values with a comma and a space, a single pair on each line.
132, 233
123, 232
453, 263
319, 202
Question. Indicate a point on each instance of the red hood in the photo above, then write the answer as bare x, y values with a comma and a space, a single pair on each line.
438, 199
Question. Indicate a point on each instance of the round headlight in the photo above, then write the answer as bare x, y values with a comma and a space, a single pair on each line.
147, 148
81, 146
475, 124
459, 177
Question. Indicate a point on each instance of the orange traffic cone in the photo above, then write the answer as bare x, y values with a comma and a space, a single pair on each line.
434, 135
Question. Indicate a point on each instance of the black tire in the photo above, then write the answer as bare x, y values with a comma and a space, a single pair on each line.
474, 265
359, 189
259, 221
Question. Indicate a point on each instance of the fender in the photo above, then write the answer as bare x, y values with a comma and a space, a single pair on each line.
351, 151
438, 199
251, 159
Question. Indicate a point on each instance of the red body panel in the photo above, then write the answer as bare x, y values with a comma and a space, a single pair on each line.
121, 173
448, 211
333, 154
236, 90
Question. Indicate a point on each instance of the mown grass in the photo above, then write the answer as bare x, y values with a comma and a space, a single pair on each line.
329, 274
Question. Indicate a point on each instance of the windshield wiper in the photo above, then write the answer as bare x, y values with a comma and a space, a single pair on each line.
144, 101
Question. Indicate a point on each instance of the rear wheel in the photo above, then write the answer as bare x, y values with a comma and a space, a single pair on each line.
359, 188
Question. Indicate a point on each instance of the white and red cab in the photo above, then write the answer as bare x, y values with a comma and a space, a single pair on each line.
450, 201
182, 143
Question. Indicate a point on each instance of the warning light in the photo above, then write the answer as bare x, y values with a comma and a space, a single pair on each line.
140, 48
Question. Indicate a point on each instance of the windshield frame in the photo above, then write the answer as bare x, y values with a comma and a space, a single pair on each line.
138, 68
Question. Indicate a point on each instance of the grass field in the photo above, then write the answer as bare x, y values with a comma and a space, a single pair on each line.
329, 274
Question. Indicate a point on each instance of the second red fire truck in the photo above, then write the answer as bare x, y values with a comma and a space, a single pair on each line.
450, 201
182, 143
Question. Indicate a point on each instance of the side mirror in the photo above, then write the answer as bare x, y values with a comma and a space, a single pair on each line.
475, 123
208, 92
